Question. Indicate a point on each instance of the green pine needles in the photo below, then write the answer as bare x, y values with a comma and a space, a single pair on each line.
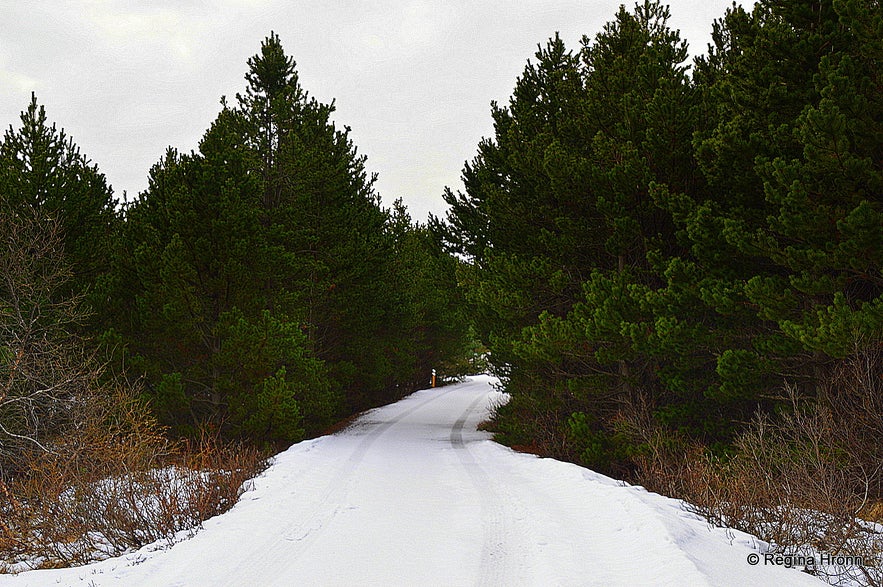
643, 237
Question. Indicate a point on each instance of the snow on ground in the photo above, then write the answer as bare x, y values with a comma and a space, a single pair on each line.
413, 495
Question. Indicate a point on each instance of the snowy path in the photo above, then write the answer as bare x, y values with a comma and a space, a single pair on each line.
413, 495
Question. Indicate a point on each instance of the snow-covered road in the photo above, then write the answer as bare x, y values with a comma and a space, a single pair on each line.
412, 494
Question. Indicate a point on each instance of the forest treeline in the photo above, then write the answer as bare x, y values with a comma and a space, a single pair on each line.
676, 267
257, 287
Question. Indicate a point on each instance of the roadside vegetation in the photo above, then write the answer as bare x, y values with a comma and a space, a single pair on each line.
676, 265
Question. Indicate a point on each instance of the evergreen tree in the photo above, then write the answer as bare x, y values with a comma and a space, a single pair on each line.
433, 330
323, 218
521, 213
826, 227
42, 171
267, 292
571, 244
203, 325
784, 84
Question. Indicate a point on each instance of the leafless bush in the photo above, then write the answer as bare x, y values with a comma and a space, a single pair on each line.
114, 487
41, 361
668, 462
802, 480
806, 481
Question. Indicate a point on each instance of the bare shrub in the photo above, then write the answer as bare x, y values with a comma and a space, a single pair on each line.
801, 482
854, 397
41, 374
804, 480
226, 470
116, 486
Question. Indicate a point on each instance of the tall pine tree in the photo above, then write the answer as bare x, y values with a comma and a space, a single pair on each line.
42, 171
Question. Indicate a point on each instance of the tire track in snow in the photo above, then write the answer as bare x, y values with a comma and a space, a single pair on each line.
309, 527
496, 560
340, 484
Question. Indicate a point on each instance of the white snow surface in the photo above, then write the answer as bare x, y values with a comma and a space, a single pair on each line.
411, 494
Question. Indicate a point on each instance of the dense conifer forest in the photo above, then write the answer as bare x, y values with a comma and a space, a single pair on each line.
672, 265
256, 286
647, 234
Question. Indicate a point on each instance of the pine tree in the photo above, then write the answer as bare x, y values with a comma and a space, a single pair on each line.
825, 227
42, 171
323, 218
765, 231
204, 326
265, 276
433, 330
569, 244
519, 218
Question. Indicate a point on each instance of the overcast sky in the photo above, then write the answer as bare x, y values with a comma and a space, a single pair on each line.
413, 79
